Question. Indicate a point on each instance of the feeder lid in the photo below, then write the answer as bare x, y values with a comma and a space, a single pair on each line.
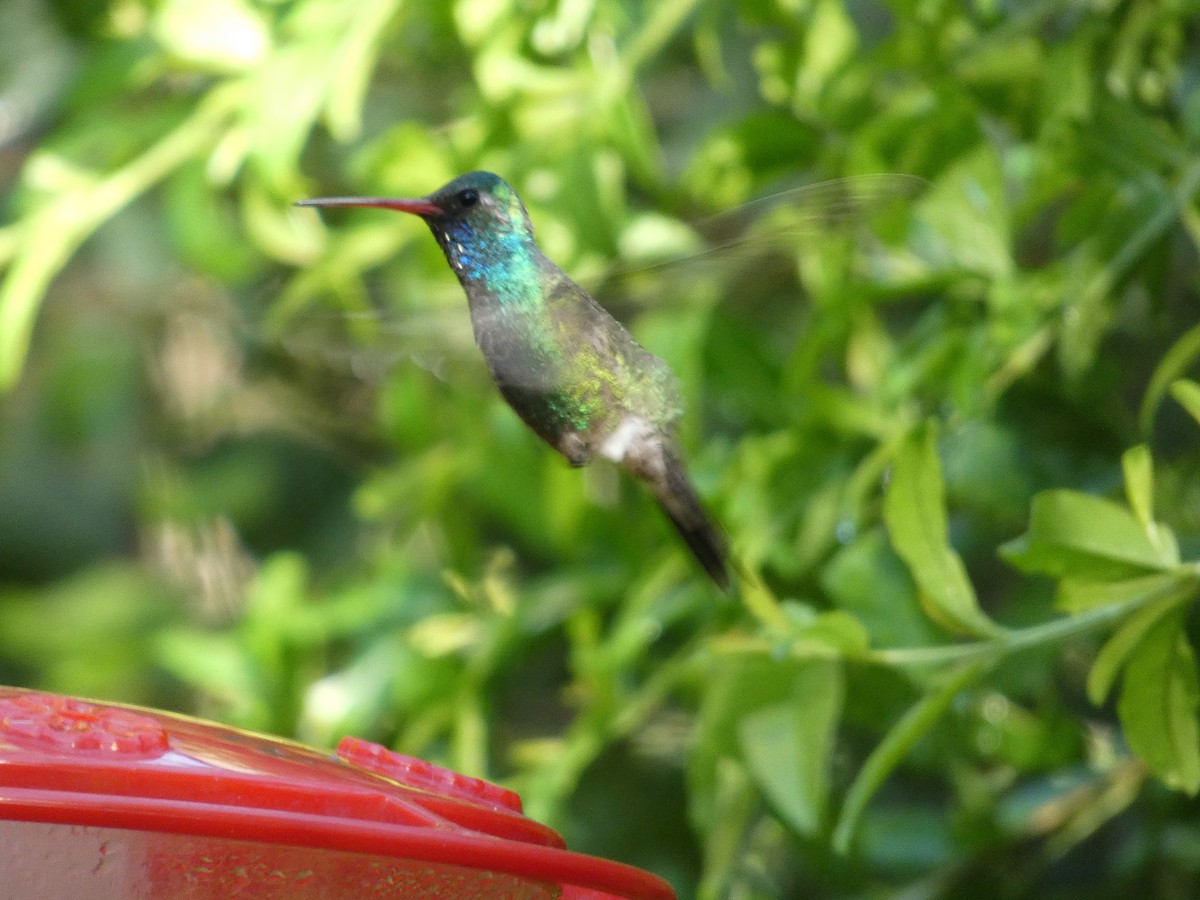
106, 800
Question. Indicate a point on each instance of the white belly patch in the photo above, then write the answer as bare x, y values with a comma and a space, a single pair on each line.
631, 431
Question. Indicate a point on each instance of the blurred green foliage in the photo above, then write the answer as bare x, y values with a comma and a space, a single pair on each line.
251, 466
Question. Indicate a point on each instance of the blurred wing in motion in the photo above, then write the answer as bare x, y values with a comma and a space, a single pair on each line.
311, 359
667, 262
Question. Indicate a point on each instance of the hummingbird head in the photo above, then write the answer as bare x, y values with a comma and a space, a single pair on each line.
477, 218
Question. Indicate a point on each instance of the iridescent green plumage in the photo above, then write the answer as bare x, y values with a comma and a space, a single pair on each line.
567, 367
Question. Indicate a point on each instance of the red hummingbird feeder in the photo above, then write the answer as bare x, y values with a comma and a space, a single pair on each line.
113, 802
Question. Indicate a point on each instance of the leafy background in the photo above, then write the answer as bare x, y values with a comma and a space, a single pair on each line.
251, 466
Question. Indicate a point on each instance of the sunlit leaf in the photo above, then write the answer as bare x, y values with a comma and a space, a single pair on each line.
967, 217
222, 35
832, 38
1139, 483
915, 513
54, 230
1187, 393
1138, 467
357, 52
1075, 595
833, 633
1077, 535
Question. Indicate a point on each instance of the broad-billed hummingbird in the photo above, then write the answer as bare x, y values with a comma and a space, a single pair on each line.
564, 364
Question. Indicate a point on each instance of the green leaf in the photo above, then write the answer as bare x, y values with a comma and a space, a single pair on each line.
1187, 393
1077, 535
914, 510
89, 633
787, 747
740, 686
833, 633
867, 579
746, 716
354, 63
1076, 595
967, 219
216, 665
1138, 466
832, 39
1159, 698
1173, 364
47, 237
218, 35
204, 229
1116, 651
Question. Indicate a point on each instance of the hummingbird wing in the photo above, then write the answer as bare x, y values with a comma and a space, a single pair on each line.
361, 334
666, 261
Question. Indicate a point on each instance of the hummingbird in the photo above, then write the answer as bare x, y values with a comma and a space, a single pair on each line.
570, 370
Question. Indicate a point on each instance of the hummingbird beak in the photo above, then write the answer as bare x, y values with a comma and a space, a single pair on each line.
416, 207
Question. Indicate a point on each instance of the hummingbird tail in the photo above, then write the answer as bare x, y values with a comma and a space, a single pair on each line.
679, 501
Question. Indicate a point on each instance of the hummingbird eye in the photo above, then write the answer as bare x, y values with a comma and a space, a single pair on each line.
468, 198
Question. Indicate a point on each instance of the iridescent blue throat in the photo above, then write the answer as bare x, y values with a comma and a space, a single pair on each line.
502, 262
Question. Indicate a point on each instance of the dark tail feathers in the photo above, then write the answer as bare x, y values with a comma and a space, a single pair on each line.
678, 500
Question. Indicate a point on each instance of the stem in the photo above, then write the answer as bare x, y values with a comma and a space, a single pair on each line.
913, 725
41, 245
1012, 641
